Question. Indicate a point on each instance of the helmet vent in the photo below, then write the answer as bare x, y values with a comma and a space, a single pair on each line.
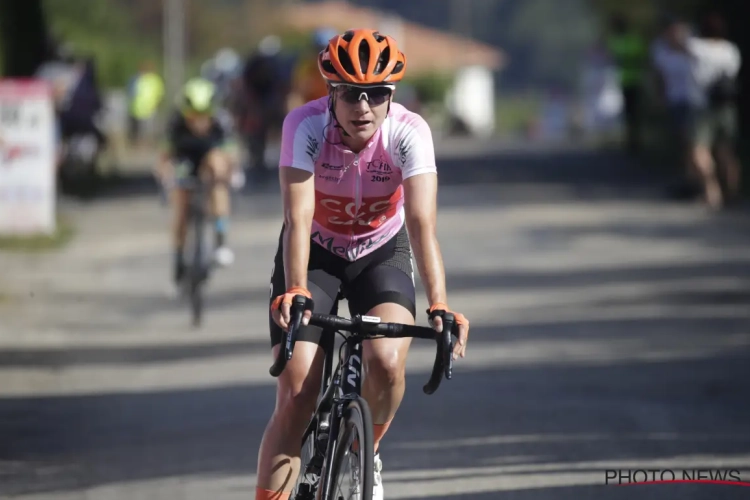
364, 56
345, 60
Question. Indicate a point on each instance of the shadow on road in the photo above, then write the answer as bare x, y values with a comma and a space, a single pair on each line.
501, 421
550, 395
552, 398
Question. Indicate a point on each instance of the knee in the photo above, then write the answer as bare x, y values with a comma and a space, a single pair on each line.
179, 205
296, 400
218, 164
702, 157
388, 369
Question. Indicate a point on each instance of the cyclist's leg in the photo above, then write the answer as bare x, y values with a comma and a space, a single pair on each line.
218, 166
385, 288
388, 293
180, 199
297, 388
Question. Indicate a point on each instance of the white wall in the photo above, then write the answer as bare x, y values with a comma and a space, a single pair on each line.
472, 99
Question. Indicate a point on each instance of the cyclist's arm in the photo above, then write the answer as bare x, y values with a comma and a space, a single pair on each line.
416, 154
298, 195
227, 143
420, 205
163, 168
298, 198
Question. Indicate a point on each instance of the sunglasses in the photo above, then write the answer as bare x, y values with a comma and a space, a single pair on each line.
375, 96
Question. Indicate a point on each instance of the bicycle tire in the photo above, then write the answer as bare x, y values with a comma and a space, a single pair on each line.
197, 272
356, 417
308, 478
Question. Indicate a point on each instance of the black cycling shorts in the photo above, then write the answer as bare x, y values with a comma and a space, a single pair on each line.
383, 276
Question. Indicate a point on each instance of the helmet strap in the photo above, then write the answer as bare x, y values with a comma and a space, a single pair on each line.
332, 110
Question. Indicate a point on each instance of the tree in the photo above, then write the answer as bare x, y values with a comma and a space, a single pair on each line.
25, 41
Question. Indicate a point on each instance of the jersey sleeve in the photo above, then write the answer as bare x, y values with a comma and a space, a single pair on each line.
300, 144
414, 149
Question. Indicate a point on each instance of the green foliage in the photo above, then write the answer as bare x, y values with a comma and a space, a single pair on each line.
105, 30
516, 113
39, 243
431, 88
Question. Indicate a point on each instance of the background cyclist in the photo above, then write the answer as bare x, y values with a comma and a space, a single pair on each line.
197, 144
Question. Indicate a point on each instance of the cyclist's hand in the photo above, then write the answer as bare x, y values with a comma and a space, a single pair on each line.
165, 173
282, 305
435, 315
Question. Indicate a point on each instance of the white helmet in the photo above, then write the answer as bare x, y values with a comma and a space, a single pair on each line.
227, 60
270, 45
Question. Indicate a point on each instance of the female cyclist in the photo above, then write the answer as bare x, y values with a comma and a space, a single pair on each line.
359, 188
197, 144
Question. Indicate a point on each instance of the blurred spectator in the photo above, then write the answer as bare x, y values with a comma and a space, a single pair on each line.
698, 76
145, 94
84, 104
264, 100
673, 65
602, 99
60, 72
222, 70
307, 83
629, 50
76, 95
717, 63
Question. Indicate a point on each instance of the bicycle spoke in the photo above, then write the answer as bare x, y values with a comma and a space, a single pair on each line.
349, 485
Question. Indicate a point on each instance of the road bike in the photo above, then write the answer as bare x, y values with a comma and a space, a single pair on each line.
340, 430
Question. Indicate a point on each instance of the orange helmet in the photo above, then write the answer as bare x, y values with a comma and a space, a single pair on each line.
362, 57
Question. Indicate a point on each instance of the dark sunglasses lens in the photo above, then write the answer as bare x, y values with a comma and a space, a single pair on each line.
351, 95
375, 96
378, 96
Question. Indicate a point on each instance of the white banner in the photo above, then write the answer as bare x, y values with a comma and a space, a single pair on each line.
27, 158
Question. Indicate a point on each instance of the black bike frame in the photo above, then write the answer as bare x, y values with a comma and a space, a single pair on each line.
345, 383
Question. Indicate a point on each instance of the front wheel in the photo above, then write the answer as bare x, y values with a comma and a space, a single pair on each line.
197, 269
352, 468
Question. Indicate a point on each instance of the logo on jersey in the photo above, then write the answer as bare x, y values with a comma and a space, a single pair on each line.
380, 171
341, 214
335, 168
403, 150
330, 178
313, 147
353, 251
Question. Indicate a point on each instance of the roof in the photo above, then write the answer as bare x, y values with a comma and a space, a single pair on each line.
418, 42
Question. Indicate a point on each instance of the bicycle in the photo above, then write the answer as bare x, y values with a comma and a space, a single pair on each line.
198, 261
341, 411
198, 258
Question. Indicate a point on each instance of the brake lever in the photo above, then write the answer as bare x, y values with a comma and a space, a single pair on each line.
449, 321
443, 366
299, 303
295, 315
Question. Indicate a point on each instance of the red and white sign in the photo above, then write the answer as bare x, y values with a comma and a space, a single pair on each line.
27, 158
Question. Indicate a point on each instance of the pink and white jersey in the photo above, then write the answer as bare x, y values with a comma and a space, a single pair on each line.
359, 197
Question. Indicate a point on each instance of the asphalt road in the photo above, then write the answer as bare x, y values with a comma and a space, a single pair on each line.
610, 330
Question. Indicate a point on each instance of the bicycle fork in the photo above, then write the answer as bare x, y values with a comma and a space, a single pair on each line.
348, 383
